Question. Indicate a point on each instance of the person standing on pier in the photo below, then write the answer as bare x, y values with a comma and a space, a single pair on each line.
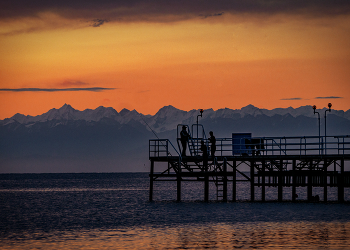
212, 140
184, 136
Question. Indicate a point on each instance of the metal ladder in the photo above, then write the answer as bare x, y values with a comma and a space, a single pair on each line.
219, 182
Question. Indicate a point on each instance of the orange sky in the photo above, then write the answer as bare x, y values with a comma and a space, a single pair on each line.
225, 60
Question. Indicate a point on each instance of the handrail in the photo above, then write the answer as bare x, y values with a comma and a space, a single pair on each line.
279, 145
292, 145
160, 148
196, 141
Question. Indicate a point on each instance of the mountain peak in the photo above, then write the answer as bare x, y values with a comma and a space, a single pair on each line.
167, 111
66, 107
167, 108
100, 108
250, 110
249, 107
124, 111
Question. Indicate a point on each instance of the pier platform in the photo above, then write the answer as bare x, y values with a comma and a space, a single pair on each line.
306, 161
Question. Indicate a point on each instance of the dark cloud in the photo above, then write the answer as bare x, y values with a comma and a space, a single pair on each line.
292, 99
94, 89
98, 22
319, 97
211, 15
166, 10
328, 97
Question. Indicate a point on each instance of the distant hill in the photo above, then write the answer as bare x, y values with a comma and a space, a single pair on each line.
104, 140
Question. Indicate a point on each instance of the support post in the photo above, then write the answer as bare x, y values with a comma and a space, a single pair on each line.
234, 181
325, 167
151, 181
179, 183
309, 182
341, 182
206, 184
252, 163
280, 183
263, 181
294, 184
225, 181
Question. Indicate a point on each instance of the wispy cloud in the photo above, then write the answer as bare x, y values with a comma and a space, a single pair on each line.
211, 15
23, 16
319, 97
98, 22
292, 99
328, 97
93, 89
166, 10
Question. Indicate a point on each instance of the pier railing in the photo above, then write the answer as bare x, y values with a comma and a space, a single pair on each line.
302, 145
294, 145
162, 148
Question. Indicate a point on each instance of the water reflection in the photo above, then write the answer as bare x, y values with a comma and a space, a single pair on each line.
260, 235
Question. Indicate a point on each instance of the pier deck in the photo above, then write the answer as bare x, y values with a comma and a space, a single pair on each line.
273, 162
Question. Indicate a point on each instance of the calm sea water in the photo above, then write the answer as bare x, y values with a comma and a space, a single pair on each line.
111, 211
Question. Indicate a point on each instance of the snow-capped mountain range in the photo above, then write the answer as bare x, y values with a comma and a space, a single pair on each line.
104, 140
165, 119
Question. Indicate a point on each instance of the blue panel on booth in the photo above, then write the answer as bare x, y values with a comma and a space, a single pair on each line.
239, 143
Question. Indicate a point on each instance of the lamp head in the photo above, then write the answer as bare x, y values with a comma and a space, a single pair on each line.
201, 110
314, 107
329, 105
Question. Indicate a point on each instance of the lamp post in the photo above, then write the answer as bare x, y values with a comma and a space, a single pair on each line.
325, 126
319, 130
201, 113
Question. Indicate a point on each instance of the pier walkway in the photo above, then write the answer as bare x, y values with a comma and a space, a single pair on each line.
306, 161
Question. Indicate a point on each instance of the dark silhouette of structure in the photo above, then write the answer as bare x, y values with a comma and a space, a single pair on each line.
212, 141
204, 150
255, 144
280, 162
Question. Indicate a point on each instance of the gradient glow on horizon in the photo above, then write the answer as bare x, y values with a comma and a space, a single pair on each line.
147, 58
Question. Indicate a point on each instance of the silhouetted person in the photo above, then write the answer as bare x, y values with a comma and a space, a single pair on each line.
204, 149
184, 136
212, 140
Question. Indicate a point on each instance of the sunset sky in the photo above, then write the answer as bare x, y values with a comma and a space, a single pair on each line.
192, 54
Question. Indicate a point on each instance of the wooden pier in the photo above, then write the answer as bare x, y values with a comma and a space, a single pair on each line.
273, 162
